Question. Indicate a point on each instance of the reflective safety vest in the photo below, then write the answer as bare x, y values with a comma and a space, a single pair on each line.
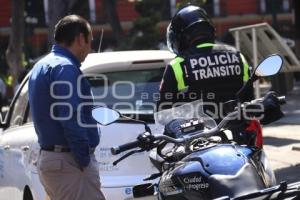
177, 67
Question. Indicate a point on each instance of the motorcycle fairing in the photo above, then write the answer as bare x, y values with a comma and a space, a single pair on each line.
168, 185
220, 170
186, 176
244, 182
221, 159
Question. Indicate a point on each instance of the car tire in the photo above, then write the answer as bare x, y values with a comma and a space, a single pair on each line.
27, 194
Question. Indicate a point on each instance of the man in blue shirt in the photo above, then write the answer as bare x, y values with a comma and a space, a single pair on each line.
61, 101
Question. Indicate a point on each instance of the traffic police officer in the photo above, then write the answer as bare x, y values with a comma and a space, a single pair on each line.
201, 69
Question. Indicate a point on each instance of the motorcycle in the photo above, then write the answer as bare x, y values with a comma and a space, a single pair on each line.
198, 159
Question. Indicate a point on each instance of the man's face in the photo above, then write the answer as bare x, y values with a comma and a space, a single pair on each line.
85, 47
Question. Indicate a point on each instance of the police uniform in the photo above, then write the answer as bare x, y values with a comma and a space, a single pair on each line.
212, 72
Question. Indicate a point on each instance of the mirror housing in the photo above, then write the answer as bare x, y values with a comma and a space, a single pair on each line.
267, 67
105, 116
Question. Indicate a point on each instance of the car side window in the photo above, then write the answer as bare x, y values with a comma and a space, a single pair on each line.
19, 108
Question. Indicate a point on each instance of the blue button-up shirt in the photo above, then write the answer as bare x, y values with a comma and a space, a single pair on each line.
61, 103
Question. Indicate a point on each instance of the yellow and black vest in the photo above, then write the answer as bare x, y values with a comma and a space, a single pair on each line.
213, 72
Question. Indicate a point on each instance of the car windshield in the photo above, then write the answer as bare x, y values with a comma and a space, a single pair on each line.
133, 93
185, 111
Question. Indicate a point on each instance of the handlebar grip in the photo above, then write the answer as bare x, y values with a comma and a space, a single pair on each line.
124, 147
281, 100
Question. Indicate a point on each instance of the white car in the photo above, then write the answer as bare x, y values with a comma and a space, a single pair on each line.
127, 81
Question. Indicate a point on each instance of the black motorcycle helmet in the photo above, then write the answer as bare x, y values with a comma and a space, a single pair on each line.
190, 24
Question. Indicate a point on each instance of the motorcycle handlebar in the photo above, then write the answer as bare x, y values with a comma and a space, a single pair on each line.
207, 133
134, 144
124, 147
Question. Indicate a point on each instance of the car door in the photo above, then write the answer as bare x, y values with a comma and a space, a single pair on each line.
131, 92
17, 142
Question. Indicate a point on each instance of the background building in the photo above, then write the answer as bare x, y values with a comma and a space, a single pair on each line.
226, 14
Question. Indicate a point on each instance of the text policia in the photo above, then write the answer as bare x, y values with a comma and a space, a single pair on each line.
222, 65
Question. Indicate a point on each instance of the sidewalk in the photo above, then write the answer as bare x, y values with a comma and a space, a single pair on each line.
282, 139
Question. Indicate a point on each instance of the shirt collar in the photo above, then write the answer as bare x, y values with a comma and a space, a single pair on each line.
63, 51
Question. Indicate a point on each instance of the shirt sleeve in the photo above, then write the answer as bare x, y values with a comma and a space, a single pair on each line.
64, 87
167, 89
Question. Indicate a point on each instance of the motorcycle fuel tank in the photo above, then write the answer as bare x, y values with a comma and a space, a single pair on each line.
210, 173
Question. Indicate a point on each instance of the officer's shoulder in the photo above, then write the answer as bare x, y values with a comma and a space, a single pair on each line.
177, 59
226, 47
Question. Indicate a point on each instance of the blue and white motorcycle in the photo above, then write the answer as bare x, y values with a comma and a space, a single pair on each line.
198, 159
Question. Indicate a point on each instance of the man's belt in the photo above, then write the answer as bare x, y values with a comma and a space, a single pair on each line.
59, 148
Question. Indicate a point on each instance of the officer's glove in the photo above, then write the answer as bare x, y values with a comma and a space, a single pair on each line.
272, 111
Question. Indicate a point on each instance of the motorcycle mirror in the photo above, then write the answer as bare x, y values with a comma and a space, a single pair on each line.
269, 66
105, 116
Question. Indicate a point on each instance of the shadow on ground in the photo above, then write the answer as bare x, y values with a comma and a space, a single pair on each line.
289, 174
278, 142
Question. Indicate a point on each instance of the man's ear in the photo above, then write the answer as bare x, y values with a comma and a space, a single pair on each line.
82, 39
79, 39
76, 41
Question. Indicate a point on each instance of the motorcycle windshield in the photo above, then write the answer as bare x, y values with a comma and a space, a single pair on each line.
186, 111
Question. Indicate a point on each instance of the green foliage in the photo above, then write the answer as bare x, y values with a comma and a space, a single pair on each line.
145, 33
147, 7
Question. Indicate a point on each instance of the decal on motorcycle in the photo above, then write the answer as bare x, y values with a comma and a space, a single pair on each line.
167, 186
195, 183
167, 189
170, 191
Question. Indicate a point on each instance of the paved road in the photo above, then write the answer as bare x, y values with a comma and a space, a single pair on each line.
282, 139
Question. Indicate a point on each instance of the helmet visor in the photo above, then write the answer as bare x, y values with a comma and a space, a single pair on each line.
171, 40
